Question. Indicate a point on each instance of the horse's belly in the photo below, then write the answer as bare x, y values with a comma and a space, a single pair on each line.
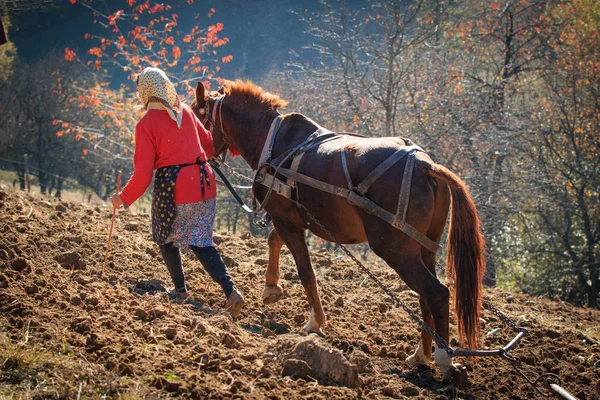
342, 222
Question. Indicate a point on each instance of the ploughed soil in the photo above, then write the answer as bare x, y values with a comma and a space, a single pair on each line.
68, 330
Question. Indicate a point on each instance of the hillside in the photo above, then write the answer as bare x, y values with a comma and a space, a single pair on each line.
69, 331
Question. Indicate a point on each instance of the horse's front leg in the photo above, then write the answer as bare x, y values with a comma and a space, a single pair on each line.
293, 237
273, 291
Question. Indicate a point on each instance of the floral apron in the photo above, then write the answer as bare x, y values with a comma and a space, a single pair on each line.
163, 197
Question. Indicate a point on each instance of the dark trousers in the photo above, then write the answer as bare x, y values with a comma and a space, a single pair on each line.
210, 259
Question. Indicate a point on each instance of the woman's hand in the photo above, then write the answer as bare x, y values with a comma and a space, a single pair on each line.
116, 201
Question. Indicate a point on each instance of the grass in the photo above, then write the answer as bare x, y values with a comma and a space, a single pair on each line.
170, 376
27, 371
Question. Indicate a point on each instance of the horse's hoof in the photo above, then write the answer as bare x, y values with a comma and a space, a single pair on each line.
457, 375
308, 329
417, 360
313, 326
272, 294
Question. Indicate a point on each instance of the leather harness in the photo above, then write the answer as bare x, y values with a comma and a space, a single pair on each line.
268, 169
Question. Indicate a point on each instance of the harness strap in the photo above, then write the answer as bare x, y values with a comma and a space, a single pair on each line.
294, 167
217, 106
277, 185
315, 139
315, 183
345, 162
265, 155
369, 206
404, 196
364, 186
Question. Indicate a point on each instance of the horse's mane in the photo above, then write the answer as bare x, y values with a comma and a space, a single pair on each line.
249, 90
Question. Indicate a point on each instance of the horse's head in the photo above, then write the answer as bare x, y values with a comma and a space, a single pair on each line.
238, 115
203, 108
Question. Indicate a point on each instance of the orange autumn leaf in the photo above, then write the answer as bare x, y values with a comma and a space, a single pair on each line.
69, 54
112, 19
221, 42
96, 51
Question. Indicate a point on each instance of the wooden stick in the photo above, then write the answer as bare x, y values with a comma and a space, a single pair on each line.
112, 224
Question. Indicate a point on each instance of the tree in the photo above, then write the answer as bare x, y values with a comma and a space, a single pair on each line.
362, 57
149, 35
35, 98
139, 35
7, 62
562, 224
493, 52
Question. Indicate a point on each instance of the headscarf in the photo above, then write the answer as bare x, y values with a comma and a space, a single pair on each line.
155, 87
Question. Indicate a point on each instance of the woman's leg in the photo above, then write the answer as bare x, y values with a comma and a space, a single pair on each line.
213, 264
216, 268
172, 259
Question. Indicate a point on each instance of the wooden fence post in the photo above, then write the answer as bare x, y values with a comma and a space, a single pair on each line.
26, 166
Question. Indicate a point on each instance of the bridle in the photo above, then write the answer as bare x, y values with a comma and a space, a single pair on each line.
211, 117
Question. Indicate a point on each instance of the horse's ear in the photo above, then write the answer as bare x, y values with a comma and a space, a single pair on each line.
200, 95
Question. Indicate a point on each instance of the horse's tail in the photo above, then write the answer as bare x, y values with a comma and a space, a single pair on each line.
466, 263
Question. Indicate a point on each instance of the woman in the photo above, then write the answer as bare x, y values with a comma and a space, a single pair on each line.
170, 139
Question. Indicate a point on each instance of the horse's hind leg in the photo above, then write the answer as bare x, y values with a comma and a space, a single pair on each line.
293, 237
273, 291
422, 355
405, 259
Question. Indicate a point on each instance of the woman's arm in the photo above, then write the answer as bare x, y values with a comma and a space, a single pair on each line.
143, 164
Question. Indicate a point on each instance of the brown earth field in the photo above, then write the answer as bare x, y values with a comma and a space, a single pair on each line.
68, 330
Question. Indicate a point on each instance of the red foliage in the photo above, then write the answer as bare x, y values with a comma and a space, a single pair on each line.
69, 54
112, 19
176, 52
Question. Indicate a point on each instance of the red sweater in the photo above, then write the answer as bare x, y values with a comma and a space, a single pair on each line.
158, 143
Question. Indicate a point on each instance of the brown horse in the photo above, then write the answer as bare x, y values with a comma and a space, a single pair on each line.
243, 116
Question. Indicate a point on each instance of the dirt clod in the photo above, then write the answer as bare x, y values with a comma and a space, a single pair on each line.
327, 362
19, 264
296, 369
70, 260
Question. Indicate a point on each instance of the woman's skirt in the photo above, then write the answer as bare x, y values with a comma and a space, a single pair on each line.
193, 224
